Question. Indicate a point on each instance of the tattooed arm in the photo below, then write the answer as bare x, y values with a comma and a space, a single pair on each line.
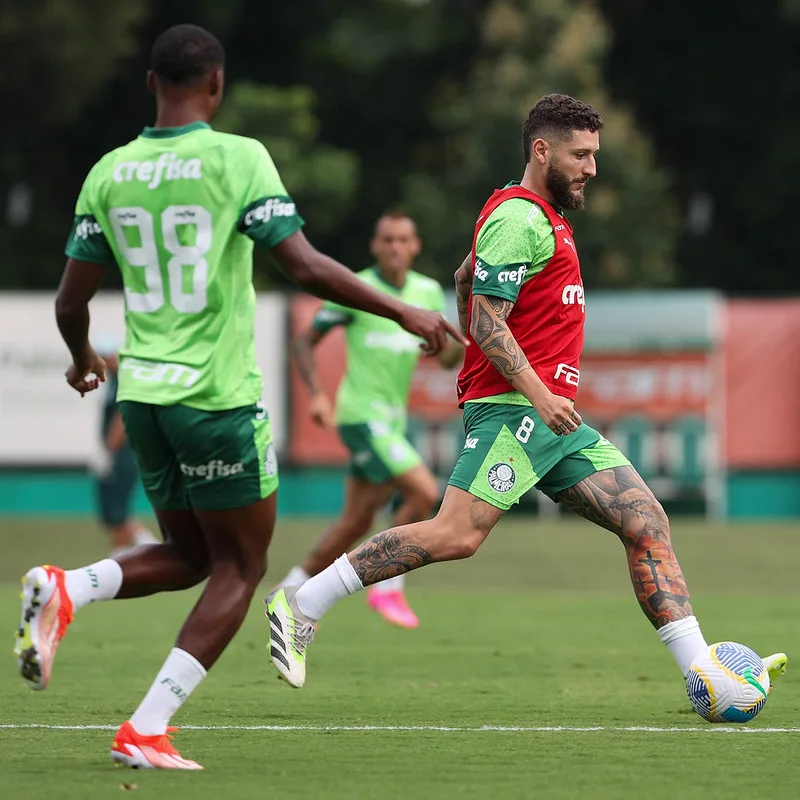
321, 410
463, 279
489, 329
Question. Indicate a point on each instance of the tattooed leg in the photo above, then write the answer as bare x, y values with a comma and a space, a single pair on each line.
620, 501
457, 531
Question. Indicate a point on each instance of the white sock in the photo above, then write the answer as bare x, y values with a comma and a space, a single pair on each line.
98, 581
178, 678
684, 640
395, 584
297, 576
323, 591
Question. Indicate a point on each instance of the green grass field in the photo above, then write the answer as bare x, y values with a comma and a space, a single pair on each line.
538, 635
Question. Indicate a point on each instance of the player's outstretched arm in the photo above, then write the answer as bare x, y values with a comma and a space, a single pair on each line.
489, 329
326, 278
79, 283
463, 281
303, 353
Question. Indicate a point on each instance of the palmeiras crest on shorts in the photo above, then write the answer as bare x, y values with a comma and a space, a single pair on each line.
502, 477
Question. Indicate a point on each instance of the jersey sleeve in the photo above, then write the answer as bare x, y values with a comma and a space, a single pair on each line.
514, 244
268, 215
87, 240
331, 316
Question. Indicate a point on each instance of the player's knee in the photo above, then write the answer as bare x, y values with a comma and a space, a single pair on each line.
642, 504
241, 574
465, 544
453, 542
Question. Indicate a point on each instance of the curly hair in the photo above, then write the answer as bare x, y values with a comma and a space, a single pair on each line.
558, 115
184, 54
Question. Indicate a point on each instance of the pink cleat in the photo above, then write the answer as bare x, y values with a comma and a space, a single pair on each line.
393, 607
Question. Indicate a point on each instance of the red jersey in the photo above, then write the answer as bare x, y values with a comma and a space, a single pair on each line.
547, 319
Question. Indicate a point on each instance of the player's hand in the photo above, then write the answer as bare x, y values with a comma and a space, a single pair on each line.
430, 326
558, 414
79, 371
322, 411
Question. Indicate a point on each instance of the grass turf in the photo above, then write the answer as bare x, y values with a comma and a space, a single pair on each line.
539, 630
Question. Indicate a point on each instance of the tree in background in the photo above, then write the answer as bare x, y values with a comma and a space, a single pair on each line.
322, 180
57, 59
528, 48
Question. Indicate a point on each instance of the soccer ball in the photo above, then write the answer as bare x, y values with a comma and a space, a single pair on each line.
728, 683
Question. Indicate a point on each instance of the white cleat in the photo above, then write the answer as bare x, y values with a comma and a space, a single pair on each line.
47, 612
290, 633
131, 749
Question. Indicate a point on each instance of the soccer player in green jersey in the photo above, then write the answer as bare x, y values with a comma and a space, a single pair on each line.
522, 303
178, 210
371, 408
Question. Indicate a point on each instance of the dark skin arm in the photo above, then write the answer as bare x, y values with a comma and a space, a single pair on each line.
330, 280
79, 283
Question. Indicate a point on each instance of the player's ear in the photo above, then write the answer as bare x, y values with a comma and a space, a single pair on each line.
539, 150
416, 246
373, 247
217, 82
151, 81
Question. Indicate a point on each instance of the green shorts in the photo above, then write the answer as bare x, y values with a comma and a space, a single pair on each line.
378, 452
202, 459
508, 450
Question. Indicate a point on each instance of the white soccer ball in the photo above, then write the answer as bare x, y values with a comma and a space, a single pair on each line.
728, 683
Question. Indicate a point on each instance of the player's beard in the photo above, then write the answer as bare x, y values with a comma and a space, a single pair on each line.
561, 188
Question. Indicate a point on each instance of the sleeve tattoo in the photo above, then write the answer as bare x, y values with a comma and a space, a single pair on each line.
491, 333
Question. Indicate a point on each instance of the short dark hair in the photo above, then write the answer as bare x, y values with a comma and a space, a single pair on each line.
184, 54
558, 115
395, 214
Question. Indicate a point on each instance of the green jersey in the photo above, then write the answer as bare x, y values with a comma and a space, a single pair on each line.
381, 356
514, 245
178, 210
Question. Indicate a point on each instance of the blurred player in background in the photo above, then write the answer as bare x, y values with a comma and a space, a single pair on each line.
371, 408
115, 470
521, 299
178, 210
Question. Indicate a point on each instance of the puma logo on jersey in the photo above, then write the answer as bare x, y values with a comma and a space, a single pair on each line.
168, 167
573, 295
569, 243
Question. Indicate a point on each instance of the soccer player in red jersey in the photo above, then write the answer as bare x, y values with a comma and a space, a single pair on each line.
522, 304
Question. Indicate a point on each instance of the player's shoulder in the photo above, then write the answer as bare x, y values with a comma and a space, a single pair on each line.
233, 143
105, 165
519, 211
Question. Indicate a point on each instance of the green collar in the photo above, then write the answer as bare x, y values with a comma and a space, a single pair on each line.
166, 133
383, 280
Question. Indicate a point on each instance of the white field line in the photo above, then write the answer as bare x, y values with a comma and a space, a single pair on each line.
425, 728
